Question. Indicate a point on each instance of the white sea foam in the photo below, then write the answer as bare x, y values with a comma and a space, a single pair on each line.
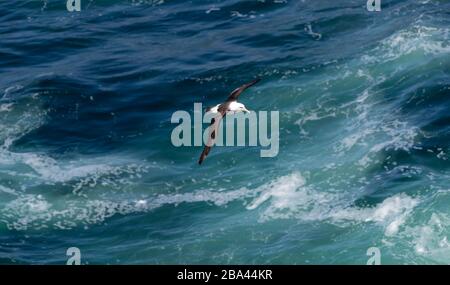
88, 171
11, 90
431, 237
34, 212
52, 171
314, 35
370, 127
287, 197
212, 9
6, 107
313, 115
84, 173
147, 2
291, 197
8, 190
27, 211
417, 38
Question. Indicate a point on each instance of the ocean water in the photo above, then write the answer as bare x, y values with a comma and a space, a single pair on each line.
86, 158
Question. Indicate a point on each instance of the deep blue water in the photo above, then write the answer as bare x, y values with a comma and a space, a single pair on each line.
86, 159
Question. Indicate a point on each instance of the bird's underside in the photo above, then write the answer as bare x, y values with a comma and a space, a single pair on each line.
222, 111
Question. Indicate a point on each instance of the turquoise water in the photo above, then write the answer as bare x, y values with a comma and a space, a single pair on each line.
86, 159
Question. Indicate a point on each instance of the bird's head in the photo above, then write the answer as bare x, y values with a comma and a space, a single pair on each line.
241, 108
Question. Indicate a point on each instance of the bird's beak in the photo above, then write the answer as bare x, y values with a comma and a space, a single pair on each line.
246, 111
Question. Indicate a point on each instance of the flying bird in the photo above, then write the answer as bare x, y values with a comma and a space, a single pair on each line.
231, 105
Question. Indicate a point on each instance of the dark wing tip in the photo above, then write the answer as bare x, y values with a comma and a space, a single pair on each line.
251, 83
256, 80
235, 94
201, 158
204, 154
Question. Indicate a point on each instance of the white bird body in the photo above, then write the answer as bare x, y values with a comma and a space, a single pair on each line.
233, 107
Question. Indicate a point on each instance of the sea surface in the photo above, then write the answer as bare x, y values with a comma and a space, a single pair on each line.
86, 158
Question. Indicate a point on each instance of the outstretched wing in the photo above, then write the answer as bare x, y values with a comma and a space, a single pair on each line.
235, 94
213, 128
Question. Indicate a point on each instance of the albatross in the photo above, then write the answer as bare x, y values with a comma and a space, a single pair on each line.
231, 105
